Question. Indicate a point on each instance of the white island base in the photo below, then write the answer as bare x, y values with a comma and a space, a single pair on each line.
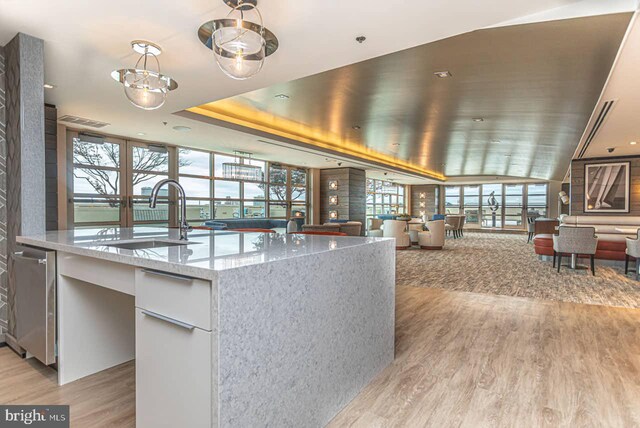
284, 335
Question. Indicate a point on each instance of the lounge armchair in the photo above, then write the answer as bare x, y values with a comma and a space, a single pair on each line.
375, 228
396, 229
432, 239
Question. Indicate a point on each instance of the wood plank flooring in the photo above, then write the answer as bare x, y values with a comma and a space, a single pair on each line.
476, 360
462, 359
104, 400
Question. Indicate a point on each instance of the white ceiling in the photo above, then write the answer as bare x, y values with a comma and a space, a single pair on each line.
622, 124
86, 40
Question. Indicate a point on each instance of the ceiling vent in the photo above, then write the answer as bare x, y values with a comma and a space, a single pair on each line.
82, 121
604, 111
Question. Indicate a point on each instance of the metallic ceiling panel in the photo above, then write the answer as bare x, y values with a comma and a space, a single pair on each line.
535, 86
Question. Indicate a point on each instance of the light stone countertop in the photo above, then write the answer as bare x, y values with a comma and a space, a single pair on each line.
206, 253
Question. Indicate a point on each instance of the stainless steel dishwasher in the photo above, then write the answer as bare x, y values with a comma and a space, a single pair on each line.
35, 280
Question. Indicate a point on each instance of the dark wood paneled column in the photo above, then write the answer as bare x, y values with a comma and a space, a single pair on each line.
351, 193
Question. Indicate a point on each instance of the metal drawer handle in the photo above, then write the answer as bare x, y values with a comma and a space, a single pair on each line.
18, 255
169, 320
168, 275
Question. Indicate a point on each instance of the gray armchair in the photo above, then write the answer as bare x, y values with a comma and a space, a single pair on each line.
633, 250
575, 240
531, 228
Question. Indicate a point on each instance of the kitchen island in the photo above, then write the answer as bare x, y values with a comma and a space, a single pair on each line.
230, 329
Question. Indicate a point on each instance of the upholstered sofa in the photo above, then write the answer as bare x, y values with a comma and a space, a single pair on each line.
327, 227
246, 223
351, 228
611, 242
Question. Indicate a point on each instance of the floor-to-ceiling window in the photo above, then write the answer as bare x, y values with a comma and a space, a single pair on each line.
96, 177
492, 205
384, 197
195, 174
537, 197
496, 205
513, 205
471, 202
287, 191
452, 200
147, 165
111, 180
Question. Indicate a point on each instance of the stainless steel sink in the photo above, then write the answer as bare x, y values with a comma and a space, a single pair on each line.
145, 244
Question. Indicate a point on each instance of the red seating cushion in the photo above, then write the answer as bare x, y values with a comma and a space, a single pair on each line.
606, 250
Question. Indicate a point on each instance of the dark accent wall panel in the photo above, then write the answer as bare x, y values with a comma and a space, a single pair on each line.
3, 202
429, 201
51, 165
577, 184
351, 193
358, 196
565, 209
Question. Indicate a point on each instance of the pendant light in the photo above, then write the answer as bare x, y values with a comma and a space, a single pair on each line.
239, 46
241, 168
145, 88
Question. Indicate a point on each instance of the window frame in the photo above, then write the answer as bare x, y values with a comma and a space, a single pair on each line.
377, 184
126, 197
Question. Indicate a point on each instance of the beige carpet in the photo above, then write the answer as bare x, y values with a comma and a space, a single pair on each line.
505, 264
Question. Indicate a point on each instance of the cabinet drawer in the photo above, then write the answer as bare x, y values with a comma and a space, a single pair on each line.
116, 276
173, 374
182, 298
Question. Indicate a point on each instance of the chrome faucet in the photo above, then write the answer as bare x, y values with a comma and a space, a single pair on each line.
184, 226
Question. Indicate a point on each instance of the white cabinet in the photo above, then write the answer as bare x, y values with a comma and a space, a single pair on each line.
176, 296
173, 351
173, 373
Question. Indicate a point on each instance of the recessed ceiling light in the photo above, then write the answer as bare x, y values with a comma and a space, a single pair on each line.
478, 119
181, 128
633, 143
282, 96
48, 86
356, 127
141, 134
361, 39
442, 74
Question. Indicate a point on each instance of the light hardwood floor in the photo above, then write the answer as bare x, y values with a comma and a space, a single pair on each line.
462, 359
106, 399
477, 360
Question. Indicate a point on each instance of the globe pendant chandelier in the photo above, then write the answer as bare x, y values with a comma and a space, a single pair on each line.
239, 46
146, 89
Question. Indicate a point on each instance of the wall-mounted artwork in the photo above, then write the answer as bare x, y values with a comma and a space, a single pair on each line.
606, 187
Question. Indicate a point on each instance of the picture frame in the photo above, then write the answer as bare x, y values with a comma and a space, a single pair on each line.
607, 187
